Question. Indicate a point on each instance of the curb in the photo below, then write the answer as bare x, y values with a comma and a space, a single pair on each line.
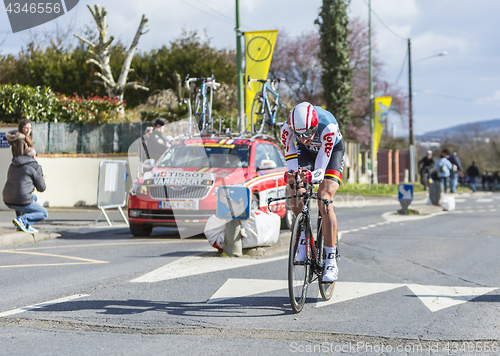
19, 237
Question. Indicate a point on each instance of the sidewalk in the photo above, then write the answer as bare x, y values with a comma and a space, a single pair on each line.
61, 220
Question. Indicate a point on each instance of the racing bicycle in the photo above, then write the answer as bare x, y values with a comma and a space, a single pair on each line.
203, 105
303, 273
267, 115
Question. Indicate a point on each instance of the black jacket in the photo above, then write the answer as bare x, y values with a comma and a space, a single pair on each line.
24, 176
473, 171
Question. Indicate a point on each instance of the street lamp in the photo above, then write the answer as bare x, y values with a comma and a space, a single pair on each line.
410, 95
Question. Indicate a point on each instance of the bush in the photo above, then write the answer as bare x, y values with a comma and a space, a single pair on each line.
39, 104
23, 102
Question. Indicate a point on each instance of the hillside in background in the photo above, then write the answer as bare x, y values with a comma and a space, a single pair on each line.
479, 129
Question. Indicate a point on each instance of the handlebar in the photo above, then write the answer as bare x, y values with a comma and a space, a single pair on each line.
211, 83
307, 194
272, 80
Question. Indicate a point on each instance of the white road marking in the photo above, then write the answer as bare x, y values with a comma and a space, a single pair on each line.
439, 297
238, 288
345, 291
484, 200
393, 217
41, 305
195, 265
493, 210
433, 297
460, 200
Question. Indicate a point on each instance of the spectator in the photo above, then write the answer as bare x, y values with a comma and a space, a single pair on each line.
426, 165
156, 143
456, 168
473, 173
490, 181
484, 179
143, 148
24, 176
20, 139
444, 166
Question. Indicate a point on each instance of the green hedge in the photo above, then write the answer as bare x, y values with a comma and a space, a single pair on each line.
41, 104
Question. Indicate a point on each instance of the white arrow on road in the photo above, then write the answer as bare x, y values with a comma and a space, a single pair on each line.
433, 297
194, 265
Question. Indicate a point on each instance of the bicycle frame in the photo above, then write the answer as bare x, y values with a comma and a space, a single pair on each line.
205, 118
266, 101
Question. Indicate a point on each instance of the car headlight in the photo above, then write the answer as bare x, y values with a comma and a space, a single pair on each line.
143, 190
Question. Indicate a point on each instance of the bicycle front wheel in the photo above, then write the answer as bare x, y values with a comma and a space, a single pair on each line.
326, 289
259, 114
298, 271
198, 111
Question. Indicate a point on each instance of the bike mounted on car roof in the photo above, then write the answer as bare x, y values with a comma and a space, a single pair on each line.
267, 115
202, 104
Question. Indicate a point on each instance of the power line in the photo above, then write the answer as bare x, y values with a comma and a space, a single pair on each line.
215, 16
449, 96
383, 23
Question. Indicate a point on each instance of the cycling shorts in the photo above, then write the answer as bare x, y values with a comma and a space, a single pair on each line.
335, 167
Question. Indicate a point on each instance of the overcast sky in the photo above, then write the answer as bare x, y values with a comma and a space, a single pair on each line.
461, 87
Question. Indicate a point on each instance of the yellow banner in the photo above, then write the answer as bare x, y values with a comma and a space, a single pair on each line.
382, 105
259, 46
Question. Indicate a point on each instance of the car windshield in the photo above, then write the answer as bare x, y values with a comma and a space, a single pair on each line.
206, 156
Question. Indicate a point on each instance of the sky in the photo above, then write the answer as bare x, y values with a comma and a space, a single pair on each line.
460, 87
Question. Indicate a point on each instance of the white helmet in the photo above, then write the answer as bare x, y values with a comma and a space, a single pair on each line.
303, 120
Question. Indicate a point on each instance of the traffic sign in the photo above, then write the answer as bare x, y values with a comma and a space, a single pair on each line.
233, 202
405, 192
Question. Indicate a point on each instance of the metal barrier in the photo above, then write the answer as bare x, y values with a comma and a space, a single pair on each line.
112, 187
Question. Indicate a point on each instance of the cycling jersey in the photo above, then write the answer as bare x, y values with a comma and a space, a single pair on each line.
328, 156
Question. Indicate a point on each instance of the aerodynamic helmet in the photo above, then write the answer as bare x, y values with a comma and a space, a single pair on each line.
303, 120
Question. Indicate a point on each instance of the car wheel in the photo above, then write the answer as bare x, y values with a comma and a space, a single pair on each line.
255, 205
287, 220
141, 230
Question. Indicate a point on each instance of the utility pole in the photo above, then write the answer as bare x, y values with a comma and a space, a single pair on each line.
410, 117
239, 73
374, 178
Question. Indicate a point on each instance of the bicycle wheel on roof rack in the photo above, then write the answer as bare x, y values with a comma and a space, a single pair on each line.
280, 118
202, 116
298, 271
259, 114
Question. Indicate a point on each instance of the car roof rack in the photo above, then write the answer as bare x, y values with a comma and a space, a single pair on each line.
243, 136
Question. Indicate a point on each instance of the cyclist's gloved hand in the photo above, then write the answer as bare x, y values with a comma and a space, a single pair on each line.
306, 176
290, 177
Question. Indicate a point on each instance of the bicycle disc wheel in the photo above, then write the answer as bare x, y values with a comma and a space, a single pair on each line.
325, 289
259, 114
298, 272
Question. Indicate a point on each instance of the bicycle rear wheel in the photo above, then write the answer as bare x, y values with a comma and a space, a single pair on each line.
259, 114
325, 289
298, 272
202, 116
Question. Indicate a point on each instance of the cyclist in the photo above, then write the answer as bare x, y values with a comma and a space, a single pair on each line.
426, 165
319, 157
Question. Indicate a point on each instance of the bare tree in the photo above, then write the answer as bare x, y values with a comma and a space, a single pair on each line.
101, 55
297, 61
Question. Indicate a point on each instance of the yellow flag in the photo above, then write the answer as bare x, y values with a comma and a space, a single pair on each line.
259, 46
382, 105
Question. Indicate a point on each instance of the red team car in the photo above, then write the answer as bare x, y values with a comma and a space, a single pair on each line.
181, 188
